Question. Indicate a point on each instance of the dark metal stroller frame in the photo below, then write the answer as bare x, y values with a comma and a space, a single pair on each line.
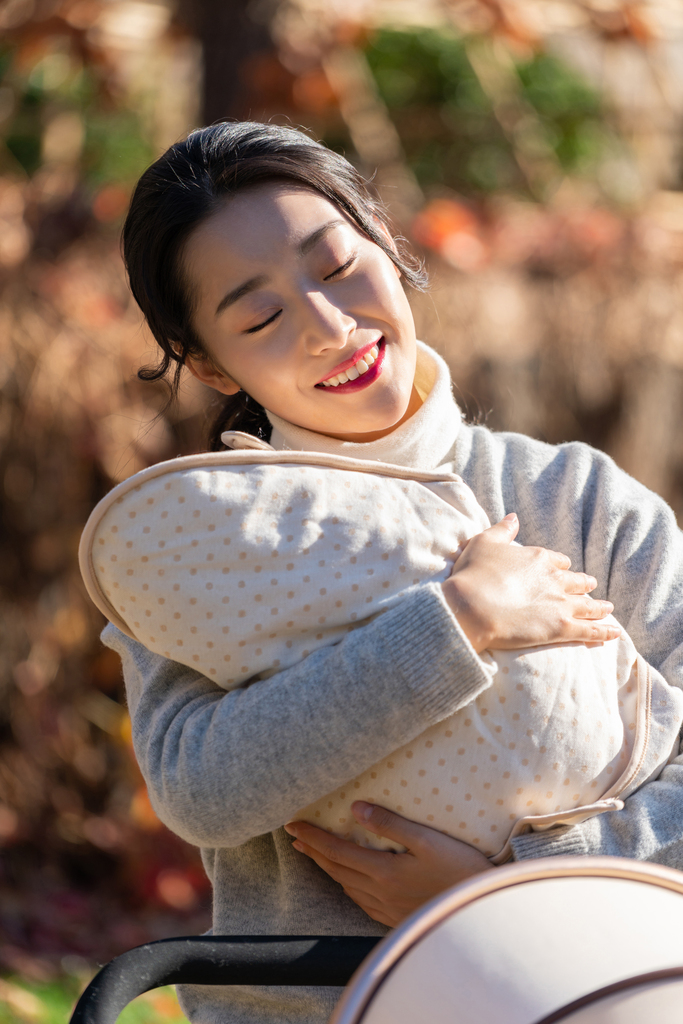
220, 960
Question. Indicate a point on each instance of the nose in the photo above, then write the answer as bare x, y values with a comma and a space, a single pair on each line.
325, 325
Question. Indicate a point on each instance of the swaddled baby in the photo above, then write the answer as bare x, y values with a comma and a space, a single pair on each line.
240, 564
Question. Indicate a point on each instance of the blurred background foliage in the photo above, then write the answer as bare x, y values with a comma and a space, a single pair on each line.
447, 122
60, 107
531, 151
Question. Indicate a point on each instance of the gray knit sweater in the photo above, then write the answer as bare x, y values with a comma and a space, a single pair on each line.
214, 782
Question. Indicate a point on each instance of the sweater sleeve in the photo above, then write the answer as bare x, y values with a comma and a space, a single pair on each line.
222, 767
643, 575
576, 500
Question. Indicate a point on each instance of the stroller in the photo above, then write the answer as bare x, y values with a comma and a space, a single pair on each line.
586, 940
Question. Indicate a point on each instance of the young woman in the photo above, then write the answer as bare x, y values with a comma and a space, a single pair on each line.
264, 265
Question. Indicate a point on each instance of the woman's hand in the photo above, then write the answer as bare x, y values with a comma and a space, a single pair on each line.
390, 886
507, 597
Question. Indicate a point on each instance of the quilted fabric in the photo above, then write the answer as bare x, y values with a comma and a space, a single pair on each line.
242, 565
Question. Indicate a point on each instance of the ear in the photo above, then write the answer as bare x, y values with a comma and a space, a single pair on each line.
204, 370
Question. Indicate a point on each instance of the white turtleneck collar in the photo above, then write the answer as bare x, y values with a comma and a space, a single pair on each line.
423, 441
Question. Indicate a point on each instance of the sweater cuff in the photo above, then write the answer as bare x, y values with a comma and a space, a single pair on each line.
430, 650
559, 841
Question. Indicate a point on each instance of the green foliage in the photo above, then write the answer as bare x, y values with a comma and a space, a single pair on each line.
42, 1003
23, 1002
115, 148
447, 122
569, 110
443, 116
424, 67
23, 143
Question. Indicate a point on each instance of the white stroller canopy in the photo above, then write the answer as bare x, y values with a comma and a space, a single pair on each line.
587, 940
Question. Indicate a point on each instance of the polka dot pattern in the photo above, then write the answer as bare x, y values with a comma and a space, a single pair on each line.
466, 777
241, 571
305, 553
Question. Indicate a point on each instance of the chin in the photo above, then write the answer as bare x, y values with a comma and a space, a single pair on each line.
377, 428
391, 416
380, 420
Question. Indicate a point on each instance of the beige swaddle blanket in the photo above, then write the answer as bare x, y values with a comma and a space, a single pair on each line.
240, 564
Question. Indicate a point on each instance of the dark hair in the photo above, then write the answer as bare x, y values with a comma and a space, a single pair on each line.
184, 187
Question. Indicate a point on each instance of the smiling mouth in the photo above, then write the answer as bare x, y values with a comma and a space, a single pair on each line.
365, 370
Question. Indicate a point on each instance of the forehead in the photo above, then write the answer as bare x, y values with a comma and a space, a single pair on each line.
260, 223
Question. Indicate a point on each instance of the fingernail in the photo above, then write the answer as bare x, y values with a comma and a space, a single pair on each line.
298, 846
362, 810
290, 828
511, 517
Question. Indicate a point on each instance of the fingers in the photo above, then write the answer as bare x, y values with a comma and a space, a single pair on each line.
347, 877
390, 826
336, 851
580, 583
587, 630
505, 531
585, 621
561, 561
587, 608
369, 889
602, 630
390, 886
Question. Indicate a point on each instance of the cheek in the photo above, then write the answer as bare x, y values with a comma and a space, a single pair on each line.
267, 376
381, 294
392, 294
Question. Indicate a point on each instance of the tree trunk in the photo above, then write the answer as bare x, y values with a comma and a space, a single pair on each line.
232, 39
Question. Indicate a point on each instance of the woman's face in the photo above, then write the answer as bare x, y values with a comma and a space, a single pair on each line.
302, 311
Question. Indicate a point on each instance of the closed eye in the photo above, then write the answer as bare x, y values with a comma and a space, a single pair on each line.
259, 327
340, 270
330, 277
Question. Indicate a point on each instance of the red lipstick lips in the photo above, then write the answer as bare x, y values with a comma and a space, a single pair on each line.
365, 379
350, 362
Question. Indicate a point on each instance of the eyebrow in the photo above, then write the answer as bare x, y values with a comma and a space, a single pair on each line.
312, 240
257, 282
240, 292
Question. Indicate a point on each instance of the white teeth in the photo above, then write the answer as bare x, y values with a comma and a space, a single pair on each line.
354, 372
